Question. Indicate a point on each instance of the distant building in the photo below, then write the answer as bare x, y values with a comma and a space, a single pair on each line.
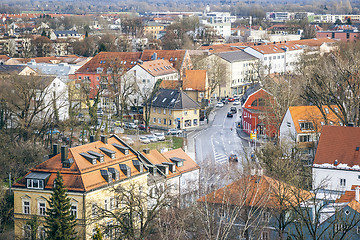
343, 35
67, 34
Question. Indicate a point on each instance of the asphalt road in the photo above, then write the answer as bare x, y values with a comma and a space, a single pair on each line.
216, 142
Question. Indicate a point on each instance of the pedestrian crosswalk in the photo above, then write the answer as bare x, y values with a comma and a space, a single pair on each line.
220, 158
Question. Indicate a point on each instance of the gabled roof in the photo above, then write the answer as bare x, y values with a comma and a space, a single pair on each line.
170, 84
257, 191
312, 114
173, 99
260, 93
195, 80
155, 157
176, 57
83, 175
158, 67
341, 144
104, 60
236, 56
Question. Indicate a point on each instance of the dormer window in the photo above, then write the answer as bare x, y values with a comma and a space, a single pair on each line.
306, 126
108, 152
36, 180
178, 161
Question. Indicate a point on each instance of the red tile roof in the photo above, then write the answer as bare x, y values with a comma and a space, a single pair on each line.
341, 144
276, 48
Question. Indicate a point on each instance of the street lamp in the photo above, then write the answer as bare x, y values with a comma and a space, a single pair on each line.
254, 129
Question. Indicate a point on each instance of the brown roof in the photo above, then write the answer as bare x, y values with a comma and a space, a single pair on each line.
155, 157
341, 144
312, 114
315, 42
82, 175
158, 67
349, 197
109, 59
257, 191
195, 80
175, 57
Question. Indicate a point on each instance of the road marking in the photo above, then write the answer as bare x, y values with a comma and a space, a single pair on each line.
220, 158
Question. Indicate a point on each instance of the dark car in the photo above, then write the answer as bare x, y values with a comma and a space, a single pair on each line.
142, 127
233, 158
233, 110
224, 101
229, 114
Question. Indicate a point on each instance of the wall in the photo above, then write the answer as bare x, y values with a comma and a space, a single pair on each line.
183, 115
333, 177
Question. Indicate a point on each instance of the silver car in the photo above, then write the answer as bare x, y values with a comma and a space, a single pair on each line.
152, 138
159, 136
144, 140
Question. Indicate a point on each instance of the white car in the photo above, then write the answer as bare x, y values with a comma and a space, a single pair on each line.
219, 105
236, 102
174, 131
128, 140
144, 140
152, 138
159, 136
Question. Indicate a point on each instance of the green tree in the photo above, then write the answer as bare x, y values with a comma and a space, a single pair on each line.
97, 235
60, 223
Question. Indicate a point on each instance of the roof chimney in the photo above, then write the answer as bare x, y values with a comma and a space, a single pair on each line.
55, 149
104, 139
357, 194
64, 153
92, 138
146, 150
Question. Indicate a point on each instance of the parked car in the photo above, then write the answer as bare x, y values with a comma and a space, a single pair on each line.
117, 123
219, 104
144, 140
142, 127
233, 110
236, 102
130, 125
174, 131
160, 136
152, 138
233, 158
55, 131
231, 99
229, 115
128, 140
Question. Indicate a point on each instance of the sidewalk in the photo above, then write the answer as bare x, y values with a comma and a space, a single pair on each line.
246, 137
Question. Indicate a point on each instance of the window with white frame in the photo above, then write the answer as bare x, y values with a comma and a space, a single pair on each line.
159, 110
195, 111
159, 120
154, 120
26, 206
342, 182
265, 235
164, 110
112, 203
35, 183
154, 110
74, 209
41, 207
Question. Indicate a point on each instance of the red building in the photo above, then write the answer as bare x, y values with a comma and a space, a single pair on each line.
343, 35
257, 114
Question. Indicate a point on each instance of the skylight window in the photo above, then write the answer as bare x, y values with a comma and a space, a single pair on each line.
172, 93
164, 100
154, 99
173, 100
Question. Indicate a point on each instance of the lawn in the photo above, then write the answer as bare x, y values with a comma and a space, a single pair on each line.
170, 143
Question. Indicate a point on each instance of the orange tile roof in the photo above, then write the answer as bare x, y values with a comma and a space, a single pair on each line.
315, 42
257, 191
82, 175
158, 67
312, 114
170, 84
194, 80
349, 197
155, 157
4, 57
176, 57
339, 143
276, 48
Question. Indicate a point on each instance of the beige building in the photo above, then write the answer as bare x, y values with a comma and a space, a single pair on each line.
173, 109
90, 172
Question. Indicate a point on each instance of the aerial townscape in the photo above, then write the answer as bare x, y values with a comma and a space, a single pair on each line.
180, 120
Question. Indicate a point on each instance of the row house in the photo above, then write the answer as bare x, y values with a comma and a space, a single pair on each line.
278, 57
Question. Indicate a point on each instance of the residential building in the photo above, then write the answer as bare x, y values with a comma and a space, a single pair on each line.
302, 125
65, 34
331, 18
256, 113
343, 35
8, 70
181, 173
154, 29
337, 158
195, 84
277, 57
220, 22
90, 172
241, 70
173, 109
146, 74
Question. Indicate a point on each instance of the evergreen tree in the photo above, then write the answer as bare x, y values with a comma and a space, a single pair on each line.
60, 224
86, 34
97, 235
